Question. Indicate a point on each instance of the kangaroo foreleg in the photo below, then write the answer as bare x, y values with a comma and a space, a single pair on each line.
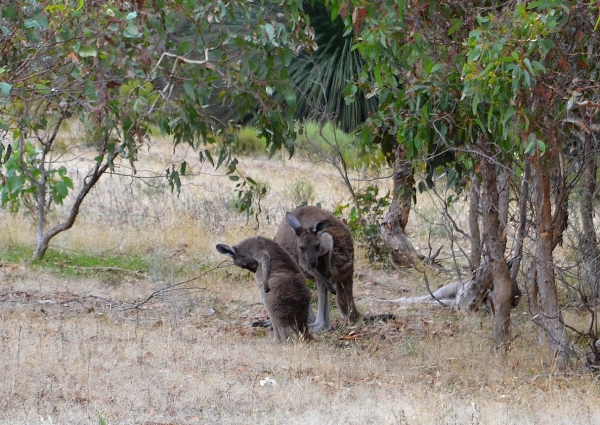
264, 260
319, 277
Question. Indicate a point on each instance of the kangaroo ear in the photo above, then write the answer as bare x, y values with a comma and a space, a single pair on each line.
226, 249
320, 226
294, 223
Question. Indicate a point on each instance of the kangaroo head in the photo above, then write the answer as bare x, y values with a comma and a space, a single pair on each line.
240, 259
308, 239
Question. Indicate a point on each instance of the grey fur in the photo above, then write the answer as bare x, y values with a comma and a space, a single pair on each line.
281, 283
323, 247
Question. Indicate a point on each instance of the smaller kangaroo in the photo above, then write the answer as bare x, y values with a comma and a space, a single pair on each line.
281, 283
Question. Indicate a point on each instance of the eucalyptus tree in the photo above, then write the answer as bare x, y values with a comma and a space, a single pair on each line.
120, 71
480, 92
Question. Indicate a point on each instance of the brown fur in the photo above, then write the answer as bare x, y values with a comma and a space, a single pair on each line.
281, 283
340, 272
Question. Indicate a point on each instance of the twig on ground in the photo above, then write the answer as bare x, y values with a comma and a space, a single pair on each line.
174, 287
244, 306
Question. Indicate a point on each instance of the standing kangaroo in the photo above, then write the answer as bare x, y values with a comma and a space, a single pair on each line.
322, 245
281, 283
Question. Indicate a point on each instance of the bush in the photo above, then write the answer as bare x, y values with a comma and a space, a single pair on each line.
318, 141
365, 226
301, 192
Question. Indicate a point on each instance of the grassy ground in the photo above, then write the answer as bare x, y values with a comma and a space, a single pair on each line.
74, 351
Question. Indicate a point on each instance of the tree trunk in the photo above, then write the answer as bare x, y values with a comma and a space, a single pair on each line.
495, 244
518, 251
392, 228
589, 243
42, 244
535, 309
503, 201
479, 289
589, 286
547, 233
475, 254
88, 183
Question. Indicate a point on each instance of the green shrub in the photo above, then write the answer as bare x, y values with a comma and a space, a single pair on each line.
365, 227
301, 192
317, 142
242, 142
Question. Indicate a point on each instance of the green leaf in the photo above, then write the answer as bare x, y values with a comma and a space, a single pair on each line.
510, 111
90, 91
5, 88
31, 24
541, 147
287, 57
189, 90
59, 191
530, 148
87, 51
132, 31
475, 34
436, 67
474, 54
185, 48
42, 88
528, 65
9, 12
546, 45
474, 104
538, 66
526, 79
42, 21
456, 25
68, 182
516, 79
290, 98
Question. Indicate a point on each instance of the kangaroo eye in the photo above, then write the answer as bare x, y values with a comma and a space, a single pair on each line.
302, 249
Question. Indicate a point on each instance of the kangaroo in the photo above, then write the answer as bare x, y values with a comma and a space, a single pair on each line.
322, 245
281, 283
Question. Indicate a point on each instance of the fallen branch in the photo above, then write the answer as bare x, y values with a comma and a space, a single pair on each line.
242, 307
174, 287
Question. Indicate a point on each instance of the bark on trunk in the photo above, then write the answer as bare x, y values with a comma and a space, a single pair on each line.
535, 308
518, 252
495, 243
479, 289
475, 254
547, 234
503, 201
590, 241
392, 228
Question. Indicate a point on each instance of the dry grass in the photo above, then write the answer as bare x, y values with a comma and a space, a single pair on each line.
73, 354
